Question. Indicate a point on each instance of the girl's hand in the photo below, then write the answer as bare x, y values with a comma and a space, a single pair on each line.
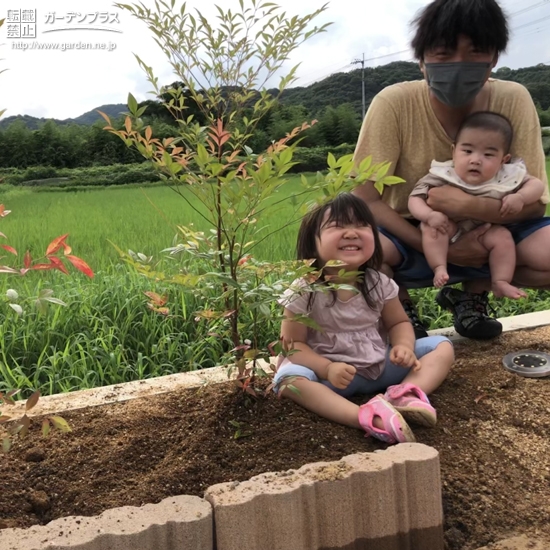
404, 357
340, 374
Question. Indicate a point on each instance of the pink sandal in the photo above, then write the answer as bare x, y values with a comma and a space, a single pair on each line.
412, 403
396, 429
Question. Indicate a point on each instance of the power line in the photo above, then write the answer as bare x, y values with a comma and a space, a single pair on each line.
362, 61
531, 23
349, 64
529, 8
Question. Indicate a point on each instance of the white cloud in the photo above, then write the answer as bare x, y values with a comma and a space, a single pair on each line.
62, 84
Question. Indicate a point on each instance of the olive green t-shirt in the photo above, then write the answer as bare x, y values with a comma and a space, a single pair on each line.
401, 127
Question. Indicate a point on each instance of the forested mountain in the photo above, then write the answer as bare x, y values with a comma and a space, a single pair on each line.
346, 87
338, 89
33, 123
536, 79
334, 102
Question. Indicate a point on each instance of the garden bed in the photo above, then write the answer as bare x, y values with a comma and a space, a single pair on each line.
491, 436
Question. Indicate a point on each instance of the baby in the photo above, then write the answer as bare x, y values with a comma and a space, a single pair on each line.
480, 167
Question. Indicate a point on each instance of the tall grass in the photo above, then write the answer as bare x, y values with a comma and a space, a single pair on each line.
106, 334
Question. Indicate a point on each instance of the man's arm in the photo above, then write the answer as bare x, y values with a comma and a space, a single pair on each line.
459, 205
388, 218
379, 138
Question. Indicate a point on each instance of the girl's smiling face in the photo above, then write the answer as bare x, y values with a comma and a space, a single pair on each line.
349, 242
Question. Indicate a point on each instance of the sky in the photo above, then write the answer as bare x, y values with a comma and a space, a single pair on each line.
51, 71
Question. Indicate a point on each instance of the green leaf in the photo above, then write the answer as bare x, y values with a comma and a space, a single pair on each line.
6, 444
132, 105
55, 301
46, 427
392, 180
60, 423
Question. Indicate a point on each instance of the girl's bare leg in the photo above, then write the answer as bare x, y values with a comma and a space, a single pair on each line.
321, 400
435, 367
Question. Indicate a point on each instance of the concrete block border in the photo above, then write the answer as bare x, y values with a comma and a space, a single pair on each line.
182, 522
384, 500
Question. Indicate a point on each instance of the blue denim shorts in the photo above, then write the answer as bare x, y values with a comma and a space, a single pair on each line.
392, 374
414, 271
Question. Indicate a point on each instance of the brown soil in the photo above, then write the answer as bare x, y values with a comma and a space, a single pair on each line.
492, 436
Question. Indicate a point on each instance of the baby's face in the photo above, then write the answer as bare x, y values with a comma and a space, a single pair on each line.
478, 155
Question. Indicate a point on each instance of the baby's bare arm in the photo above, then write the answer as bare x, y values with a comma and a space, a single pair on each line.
531, 191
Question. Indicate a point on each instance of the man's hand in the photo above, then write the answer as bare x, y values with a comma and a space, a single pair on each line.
512, 204
468, 250
438, 221
340, 374
450, 200
404, 357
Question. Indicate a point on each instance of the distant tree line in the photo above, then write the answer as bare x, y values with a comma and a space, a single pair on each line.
74, 146
334, 102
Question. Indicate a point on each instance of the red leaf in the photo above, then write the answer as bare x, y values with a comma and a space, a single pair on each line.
32, 400
161, 310
27, 260
80, 264
42, 266
58, 264
56, 244
157, 299
9, 249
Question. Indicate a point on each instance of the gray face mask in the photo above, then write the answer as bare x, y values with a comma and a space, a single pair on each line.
456, 84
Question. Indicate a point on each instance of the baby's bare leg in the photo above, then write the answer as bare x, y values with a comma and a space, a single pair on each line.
502, 262
436, 245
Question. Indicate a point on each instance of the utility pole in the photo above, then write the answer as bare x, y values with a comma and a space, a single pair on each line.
362, 61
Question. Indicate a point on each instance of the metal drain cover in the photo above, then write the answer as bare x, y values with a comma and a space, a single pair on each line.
528, 363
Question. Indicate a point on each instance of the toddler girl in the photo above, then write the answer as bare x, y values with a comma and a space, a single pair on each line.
347, 353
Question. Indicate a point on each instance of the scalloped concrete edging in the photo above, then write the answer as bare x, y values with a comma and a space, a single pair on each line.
321, 506
386, 500
182, 522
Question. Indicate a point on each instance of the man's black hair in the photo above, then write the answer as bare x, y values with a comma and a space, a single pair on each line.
441, 22
493, 122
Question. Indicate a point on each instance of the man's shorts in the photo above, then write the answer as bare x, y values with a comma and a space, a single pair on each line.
414, 271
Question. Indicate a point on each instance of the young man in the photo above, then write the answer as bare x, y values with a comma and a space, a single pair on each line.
457, 43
